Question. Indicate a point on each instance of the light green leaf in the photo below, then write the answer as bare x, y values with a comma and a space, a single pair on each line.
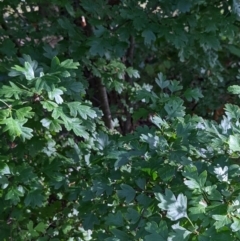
161, 81
26, 133
29, 72
213, 193
179, 234
234, 142
192, 184
221, 221
132, 72
165, 200
24, 112
52, 125
49, 105
174, 108
232, 111
74, 124
195, 182
55, 64
14, 194
4, 169
46, 82
50, 149
199, 209
69, 64
56, 95
32, 230
174, 86
5, 113
12, 126
221, 173
41, 227
178, 209
235, 226
83, 110
234, 89
67, 228
13, 90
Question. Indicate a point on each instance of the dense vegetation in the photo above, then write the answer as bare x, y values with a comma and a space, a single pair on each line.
119, 120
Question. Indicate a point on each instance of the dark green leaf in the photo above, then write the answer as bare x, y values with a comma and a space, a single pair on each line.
127, 192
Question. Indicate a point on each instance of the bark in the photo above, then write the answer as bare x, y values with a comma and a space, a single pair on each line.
103, 98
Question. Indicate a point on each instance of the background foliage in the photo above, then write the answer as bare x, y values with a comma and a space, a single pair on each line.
113, 120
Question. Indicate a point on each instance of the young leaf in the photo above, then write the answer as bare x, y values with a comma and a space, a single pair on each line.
221, 173
52, 125
74, 124
83, 110
234, 89
235, 226
174, 108
29, 72
174, 86
132, 72
165, 200
24, 113
178, 209
179, 234
55, 64
161, 81
9, 92
69, 64
14, 194
234, 143
232, 111
26, 133
12, 126
46, 82
56, 95
49, 105
221, 221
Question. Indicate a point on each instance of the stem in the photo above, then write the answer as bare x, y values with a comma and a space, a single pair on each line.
104, 103
9, 106
192, 224
190, 221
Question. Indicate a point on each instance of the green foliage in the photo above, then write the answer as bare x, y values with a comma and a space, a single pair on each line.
163, 170
177, 180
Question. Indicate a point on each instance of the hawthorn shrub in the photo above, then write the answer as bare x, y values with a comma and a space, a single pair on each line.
64, 176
